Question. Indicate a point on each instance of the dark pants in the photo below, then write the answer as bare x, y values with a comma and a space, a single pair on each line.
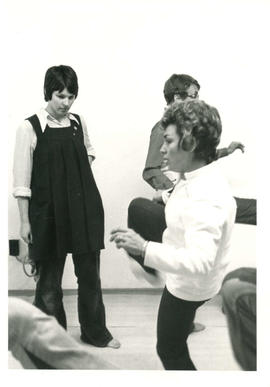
147, 219
239, 304
175, 319
91, 310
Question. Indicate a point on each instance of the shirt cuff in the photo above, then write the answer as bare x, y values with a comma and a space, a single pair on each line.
149, 250
21, 192
91, 152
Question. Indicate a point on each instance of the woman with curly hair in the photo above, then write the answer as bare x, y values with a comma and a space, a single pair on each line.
200, 213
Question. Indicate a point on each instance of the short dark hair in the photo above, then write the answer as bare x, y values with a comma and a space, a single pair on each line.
57, 78
178, 84
196, 120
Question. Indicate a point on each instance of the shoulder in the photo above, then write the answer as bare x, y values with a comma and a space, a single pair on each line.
25, 128
212, 188
79, 118
157, 127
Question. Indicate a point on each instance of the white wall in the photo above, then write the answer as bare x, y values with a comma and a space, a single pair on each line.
123, 51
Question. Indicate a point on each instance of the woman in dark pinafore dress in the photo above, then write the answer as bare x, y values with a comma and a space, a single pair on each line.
65, 211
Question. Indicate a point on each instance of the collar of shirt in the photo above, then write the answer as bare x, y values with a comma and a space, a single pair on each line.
187, 176
43, 117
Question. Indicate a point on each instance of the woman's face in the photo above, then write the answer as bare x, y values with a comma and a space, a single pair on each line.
174, 156
60, 103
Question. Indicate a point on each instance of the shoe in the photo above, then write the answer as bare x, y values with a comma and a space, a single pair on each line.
197, 327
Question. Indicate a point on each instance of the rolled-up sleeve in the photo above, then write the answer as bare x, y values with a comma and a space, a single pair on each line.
89, 147
203, 226
23, 160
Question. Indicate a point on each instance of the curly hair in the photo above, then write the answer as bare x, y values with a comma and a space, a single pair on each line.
195, 120
57, 78
178, 84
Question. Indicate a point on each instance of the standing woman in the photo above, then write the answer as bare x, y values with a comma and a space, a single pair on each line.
60, 206
200, 213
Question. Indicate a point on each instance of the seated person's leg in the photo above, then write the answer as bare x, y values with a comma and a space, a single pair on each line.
147, 218
42, 336
246, 212
245, 274
20, 326
239, 303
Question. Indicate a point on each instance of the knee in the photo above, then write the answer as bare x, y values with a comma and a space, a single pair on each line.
50, 301
21, 316
135, 205
161, 351
246, 305
246, 274
236, 293
135, 210
229, 291
19, 310
169, 347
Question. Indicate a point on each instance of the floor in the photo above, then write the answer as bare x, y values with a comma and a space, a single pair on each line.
131, 317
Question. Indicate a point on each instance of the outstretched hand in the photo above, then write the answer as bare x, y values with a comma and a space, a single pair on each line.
236, 145
127, 239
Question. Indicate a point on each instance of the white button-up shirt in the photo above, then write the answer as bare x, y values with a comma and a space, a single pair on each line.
200, 215
26, 141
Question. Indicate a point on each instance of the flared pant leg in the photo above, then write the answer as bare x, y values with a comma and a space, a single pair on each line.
49, 294
91, 309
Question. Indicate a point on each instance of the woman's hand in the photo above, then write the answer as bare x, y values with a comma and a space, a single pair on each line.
26, 233
128, 239
235, 145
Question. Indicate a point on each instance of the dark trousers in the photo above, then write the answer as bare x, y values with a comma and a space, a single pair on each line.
239, 304
91, 310
147, 219
175, 318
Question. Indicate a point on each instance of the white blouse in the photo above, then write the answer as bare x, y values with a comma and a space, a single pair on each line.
200, 215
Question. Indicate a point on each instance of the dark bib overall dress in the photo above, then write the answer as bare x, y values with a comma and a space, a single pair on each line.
66, 216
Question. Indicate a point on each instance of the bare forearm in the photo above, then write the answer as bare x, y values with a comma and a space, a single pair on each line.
222, 152
25, 229
23, 204
234, 145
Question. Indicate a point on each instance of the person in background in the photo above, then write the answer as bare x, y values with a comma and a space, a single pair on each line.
200, 214
37, 340
179, 87
60, 206
239, 304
